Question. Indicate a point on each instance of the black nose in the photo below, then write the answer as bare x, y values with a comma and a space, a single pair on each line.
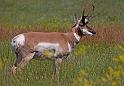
94, 32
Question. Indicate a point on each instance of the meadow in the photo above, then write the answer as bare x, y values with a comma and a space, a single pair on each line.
96, 61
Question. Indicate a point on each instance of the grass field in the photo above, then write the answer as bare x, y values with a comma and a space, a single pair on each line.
96, 61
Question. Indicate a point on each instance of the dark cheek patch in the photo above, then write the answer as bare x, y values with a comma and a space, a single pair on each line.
80, 32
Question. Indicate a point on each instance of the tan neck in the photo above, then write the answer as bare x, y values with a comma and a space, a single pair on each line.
77, 33
74, 36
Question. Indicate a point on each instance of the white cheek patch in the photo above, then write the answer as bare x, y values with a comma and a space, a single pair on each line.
18, 41
85, 31
69, 48
77, 37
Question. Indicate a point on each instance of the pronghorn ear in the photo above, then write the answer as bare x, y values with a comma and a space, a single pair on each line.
86, 20
75, 18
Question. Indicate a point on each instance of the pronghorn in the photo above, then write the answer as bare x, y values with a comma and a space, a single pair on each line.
32, 45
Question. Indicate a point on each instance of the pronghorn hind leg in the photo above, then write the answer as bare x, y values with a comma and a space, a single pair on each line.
58, 62
18, 60
21, 62
26, 59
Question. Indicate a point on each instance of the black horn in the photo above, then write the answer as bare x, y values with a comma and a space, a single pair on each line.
83, 12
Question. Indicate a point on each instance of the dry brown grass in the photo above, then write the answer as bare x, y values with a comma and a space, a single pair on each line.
104, 34
6, 34
107, 34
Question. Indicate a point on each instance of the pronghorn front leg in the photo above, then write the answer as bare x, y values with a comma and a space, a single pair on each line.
58, 62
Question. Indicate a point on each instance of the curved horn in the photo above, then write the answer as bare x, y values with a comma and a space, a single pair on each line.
93, 7
83, 12
91, 15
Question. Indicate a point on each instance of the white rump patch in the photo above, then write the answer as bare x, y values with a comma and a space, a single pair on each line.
69, 47
77, 36
18, 41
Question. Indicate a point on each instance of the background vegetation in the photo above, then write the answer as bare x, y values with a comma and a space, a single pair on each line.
58, 13
96, 61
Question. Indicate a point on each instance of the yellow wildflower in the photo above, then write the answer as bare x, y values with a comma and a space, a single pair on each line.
121, 58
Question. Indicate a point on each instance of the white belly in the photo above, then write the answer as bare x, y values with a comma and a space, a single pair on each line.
45, 45
41, 47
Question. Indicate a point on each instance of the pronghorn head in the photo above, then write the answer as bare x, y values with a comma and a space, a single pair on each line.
81, 24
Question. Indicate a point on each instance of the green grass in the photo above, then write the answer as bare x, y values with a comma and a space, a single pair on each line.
90, 64
47, 13
90, 67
